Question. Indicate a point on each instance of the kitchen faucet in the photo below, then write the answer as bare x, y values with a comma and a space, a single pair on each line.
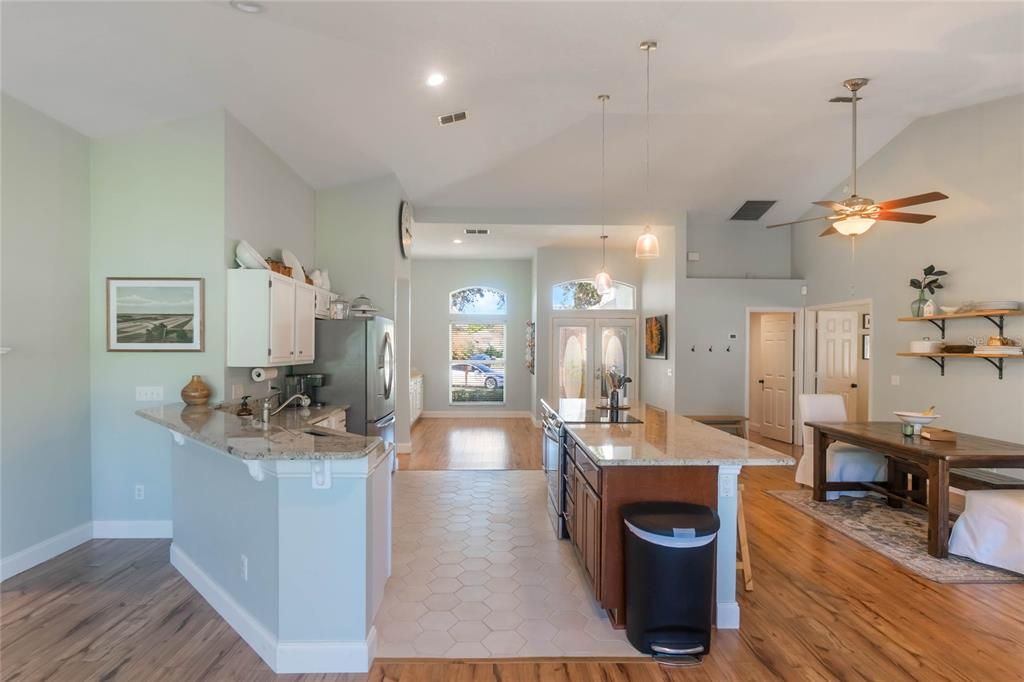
267, 413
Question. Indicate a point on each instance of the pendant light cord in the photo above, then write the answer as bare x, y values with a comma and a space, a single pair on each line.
604, 237
647, 182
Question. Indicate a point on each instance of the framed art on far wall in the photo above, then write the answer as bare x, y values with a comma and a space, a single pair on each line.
155, 314
656, 337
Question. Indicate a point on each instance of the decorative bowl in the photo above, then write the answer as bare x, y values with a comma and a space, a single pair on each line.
917, 419
248, 257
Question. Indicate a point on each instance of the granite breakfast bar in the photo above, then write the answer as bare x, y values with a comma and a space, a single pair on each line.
664, 458
284, 530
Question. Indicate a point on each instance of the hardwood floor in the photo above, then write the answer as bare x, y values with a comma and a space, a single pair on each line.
442, 443
824, 608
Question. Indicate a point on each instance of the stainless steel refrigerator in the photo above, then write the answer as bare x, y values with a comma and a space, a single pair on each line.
357, 359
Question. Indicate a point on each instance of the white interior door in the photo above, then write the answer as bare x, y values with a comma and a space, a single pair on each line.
777, 331
837, 356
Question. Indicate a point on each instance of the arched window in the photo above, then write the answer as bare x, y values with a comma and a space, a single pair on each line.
581, 294
477, 301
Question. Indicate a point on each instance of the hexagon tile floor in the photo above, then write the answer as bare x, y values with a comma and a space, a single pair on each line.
478, 573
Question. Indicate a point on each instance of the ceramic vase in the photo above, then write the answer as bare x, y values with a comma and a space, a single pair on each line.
196, 392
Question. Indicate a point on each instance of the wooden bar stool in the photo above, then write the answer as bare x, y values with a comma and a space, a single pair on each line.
743, 562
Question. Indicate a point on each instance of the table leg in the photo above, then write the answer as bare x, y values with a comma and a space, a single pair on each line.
896, 482
821, 442
938, 508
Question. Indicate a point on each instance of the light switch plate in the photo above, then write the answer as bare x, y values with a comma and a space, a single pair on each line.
149, 393
894, 379
803, 291
693, 256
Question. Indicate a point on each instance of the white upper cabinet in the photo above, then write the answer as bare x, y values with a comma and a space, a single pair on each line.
305, 322
271, 320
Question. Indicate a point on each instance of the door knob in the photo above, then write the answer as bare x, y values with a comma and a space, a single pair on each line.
853, 385
760, 381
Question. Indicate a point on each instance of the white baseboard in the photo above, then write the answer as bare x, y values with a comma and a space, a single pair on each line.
727, 616
133, 529
403, 448
479, 414
44, 551
281, 656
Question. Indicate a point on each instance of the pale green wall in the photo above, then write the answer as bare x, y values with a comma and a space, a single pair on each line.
976, 156
157, 210
44, 447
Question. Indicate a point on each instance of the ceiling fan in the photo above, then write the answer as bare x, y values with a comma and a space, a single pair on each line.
856, 215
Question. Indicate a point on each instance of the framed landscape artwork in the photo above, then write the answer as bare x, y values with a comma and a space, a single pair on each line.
155, 314
656, 337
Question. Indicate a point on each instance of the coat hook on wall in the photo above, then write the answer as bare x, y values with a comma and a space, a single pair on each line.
728, 349
693, 349
711, 349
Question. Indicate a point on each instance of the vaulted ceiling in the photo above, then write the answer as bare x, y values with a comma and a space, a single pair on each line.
337, 89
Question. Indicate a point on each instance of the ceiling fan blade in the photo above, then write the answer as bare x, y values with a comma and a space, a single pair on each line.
831, 230
794, 222
832, 205
912, 201
897, 216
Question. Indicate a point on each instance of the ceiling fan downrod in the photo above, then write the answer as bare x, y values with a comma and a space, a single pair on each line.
853, 85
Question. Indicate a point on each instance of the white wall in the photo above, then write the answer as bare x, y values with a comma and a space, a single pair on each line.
559, 264
737, 249
658, 297
44, 381
267, 204
432, 282
974, 155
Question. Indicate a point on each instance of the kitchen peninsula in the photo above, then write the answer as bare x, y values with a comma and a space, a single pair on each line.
661, 457
285, 531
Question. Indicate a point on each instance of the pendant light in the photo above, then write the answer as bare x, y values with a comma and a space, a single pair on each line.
647, 245
603, 281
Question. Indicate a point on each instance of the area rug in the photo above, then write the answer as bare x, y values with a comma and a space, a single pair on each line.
900, 534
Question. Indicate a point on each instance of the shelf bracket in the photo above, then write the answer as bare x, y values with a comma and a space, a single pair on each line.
941, 324
997, 363
998, 321
941, 362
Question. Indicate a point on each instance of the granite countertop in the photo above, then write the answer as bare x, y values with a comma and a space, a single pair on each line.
670, 440
286, 438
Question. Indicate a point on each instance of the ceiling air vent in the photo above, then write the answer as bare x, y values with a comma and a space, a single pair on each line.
752, 210
448, 119
477, 230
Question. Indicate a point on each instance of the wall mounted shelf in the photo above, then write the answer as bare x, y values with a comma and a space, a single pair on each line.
940, 359
996, 317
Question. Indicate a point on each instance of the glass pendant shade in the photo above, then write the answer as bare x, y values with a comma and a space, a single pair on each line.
852, 226
647, 244
603, 282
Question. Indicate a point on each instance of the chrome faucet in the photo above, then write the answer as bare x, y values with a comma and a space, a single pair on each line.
268, 413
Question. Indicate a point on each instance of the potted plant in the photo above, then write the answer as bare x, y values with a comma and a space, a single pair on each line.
929, 282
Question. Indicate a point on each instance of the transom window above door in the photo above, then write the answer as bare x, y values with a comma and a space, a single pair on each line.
478, 301
581, 294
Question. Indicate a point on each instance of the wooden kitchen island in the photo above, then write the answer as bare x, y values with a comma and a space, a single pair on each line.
665, 458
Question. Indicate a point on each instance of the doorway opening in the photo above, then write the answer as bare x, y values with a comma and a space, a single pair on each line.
773, 347
838, 359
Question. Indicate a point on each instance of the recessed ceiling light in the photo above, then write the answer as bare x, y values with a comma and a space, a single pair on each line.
436, 79
247, 6
456, 241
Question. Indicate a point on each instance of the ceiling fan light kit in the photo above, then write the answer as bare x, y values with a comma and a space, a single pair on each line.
647, 246
856, 215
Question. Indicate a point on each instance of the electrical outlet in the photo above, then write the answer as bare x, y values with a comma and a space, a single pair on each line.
149, 393
894, 379
803, 291
237, 391
140, 492
245, 568
669, 371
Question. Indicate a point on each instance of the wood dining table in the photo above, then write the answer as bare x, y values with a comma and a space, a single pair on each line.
916, 456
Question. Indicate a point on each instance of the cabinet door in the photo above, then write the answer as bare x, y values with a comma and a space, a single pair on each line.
305, 322
591, 504
282, 320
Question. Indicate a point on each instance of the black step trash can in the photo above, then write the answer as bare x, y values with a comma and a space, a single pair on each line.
670, 578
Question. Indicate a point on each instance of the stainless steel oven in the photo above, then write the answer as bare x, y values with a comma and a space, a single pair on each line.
551, 450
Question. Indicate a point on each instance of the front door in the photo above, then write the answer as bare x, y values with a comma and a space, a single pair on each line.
777, 390
837, 356
585, 349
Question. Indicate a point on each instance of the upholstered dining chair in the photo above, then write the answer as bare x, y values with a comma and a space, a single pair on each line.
845, 462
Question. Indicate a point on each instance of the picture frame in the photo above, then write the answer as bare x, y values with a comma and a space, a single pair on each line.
865, 321
865, 346
656, 337
156, 314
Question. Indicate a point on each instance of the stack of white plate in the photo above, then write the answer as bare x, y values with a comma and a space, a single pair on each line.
997, 305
